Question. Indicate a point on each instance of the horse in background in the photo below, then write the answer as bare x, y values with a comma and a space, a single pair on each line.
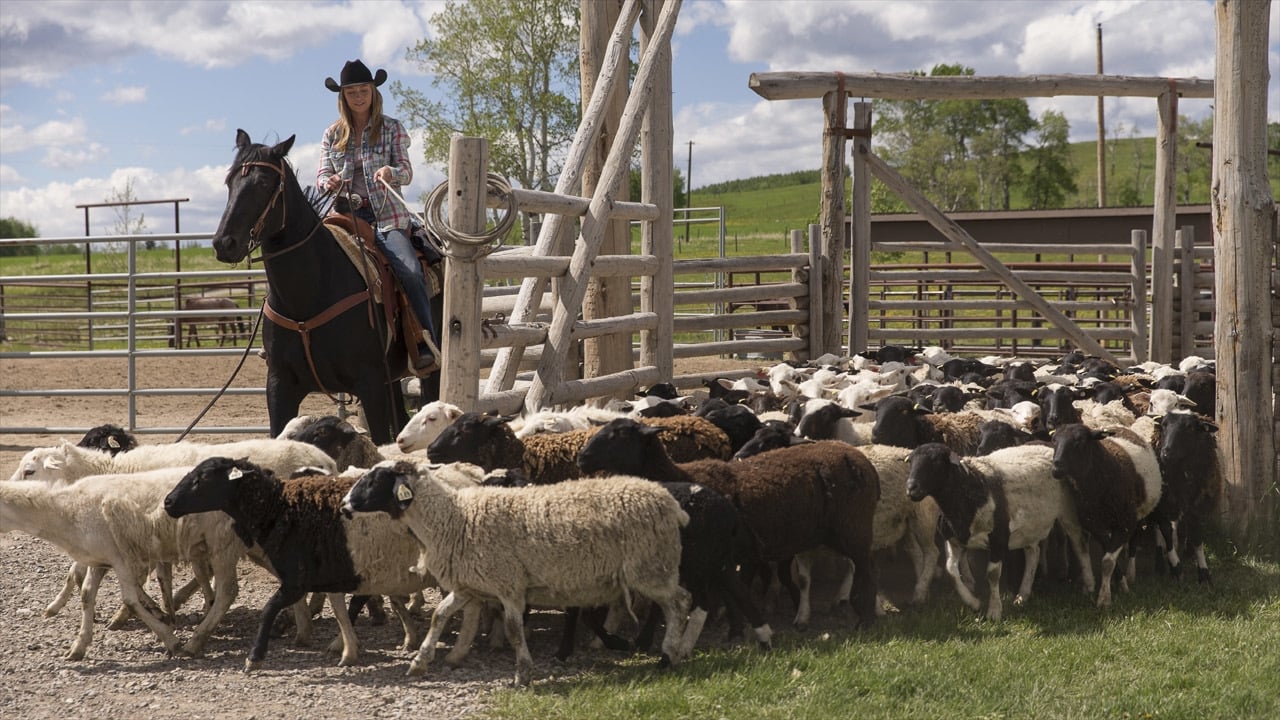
231, 328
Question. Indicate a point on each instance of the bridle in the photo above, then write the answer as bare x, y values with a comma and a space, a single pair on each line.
255, 233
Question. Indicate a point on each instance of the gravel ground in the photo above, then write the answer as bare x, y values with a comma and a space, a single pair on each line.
126, 673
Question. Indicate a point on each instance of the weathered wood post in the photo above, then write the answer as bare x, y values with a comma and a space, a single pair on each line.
1164, 220
816, 292
834, 106
800, 303
860, 231
657, 292
1242, 208
611, 296
1186, 236
464, 281
1138, 271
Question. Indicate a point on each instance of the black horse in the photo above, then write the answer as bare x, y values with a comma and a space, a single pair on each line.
325, 333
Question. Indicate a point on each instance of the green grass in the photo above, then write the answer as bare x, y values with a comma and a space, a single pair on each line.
1165, 650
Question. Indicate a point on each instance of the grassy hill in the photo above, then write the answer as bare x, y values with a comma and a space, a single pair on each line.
772, 205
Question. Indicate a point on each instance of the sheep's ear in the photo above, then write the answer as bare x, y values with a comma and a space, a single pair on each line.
849, 412
452, 413
868, 406
52, 462
1209, 426
955, 459
402, 491
649, 430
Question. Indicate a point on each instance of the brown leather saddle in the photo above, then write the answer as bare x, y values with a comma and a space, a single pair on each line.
356, 239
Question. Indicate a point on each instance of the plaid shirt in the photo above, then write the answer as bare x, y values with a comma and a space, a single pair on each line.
392, 150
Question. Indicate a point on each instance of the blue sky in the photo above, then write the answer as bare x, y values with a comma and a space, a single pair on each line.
94, 95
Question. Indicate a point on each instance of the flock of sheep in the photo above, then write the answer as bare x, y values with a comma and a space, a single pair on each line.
686, 502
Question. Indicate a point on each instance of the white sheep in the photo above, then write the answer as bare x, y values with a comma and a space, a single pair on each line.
116, 521
426, 425
583, 544
65, 463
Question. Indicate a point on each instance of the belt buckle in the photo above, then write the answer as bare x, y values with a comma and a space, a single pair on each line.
356, 201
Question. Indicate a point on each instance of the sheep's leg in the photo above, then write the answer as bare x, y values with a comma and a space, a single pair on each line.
201, 572
1167, 540
994, 608
406, 621
417, 602
439, 619
88, 599
1032, 554
164, 578
675, 613
350, 644
737, 598
594, 619
692, 630
302, 626
955, 555
1195, 542
471, 613
1108, 567
1080, 546
803, 567
228, 590
513, 622
75, 578
924, 556
132, 595
279, 600
845, 587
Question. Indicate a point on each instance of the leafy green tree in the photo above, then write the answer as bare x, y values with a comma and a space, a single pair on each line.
1050, 177
509, 69
678, 195
12, 227
1195, 163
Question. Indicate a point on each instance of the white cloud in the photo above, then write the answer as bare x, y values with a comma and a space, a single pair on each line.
217, 125
40, 41
63, 133
9, 176
70, 158
731, 142
125, 95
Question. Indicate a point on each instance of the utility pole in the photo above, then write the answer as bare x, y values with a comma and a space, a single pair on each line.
1102, 136
688, 193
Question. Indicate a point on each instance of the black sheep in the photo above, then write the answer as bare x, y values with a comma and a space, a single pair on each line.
793, 499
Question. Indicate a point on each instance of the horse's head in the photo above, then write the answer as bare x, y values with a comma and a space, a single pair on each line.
255, 191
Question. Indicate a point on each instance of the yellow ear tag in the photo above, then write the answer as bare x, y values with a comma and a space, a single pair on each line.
112, 442
235, 474
403, 493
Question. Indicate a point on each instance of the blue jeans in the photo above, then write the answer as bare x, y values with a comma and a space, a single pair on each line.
404, 262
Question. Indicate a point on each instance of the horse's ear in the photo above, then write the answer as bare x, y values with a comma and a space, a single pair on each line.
283, 148
242, 139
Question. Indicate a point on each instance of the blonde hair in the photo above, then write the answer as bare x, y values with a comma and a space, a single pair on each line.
345, 122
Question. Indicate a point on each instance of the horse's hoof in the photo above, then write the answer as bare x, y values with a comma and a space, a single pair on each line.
665, 661
74, 655
251, 665
1202, 575
416, 670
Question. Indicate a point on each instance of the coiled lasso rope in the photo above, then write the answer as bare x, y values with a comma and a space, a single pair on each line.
435, 223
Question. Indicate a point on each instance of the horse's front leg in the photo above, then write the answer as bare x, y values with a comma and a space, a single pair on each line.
284, 397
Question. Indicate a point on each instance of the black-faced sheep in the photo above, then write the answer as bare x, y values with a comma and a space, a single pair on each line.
901, 424
584, 543
1188, 455
1002, 502
1114, 478
111, 439
489, 442
299, 526
793, 499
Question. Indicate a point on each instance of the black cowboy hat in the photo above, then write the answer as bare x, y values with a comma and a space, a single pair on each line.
356, 73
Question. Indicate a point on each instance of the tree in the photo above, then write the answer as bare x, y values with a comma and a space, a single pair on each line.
126, 223
1050, 178
1194, 162
509, 69
963, 154
12, 227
